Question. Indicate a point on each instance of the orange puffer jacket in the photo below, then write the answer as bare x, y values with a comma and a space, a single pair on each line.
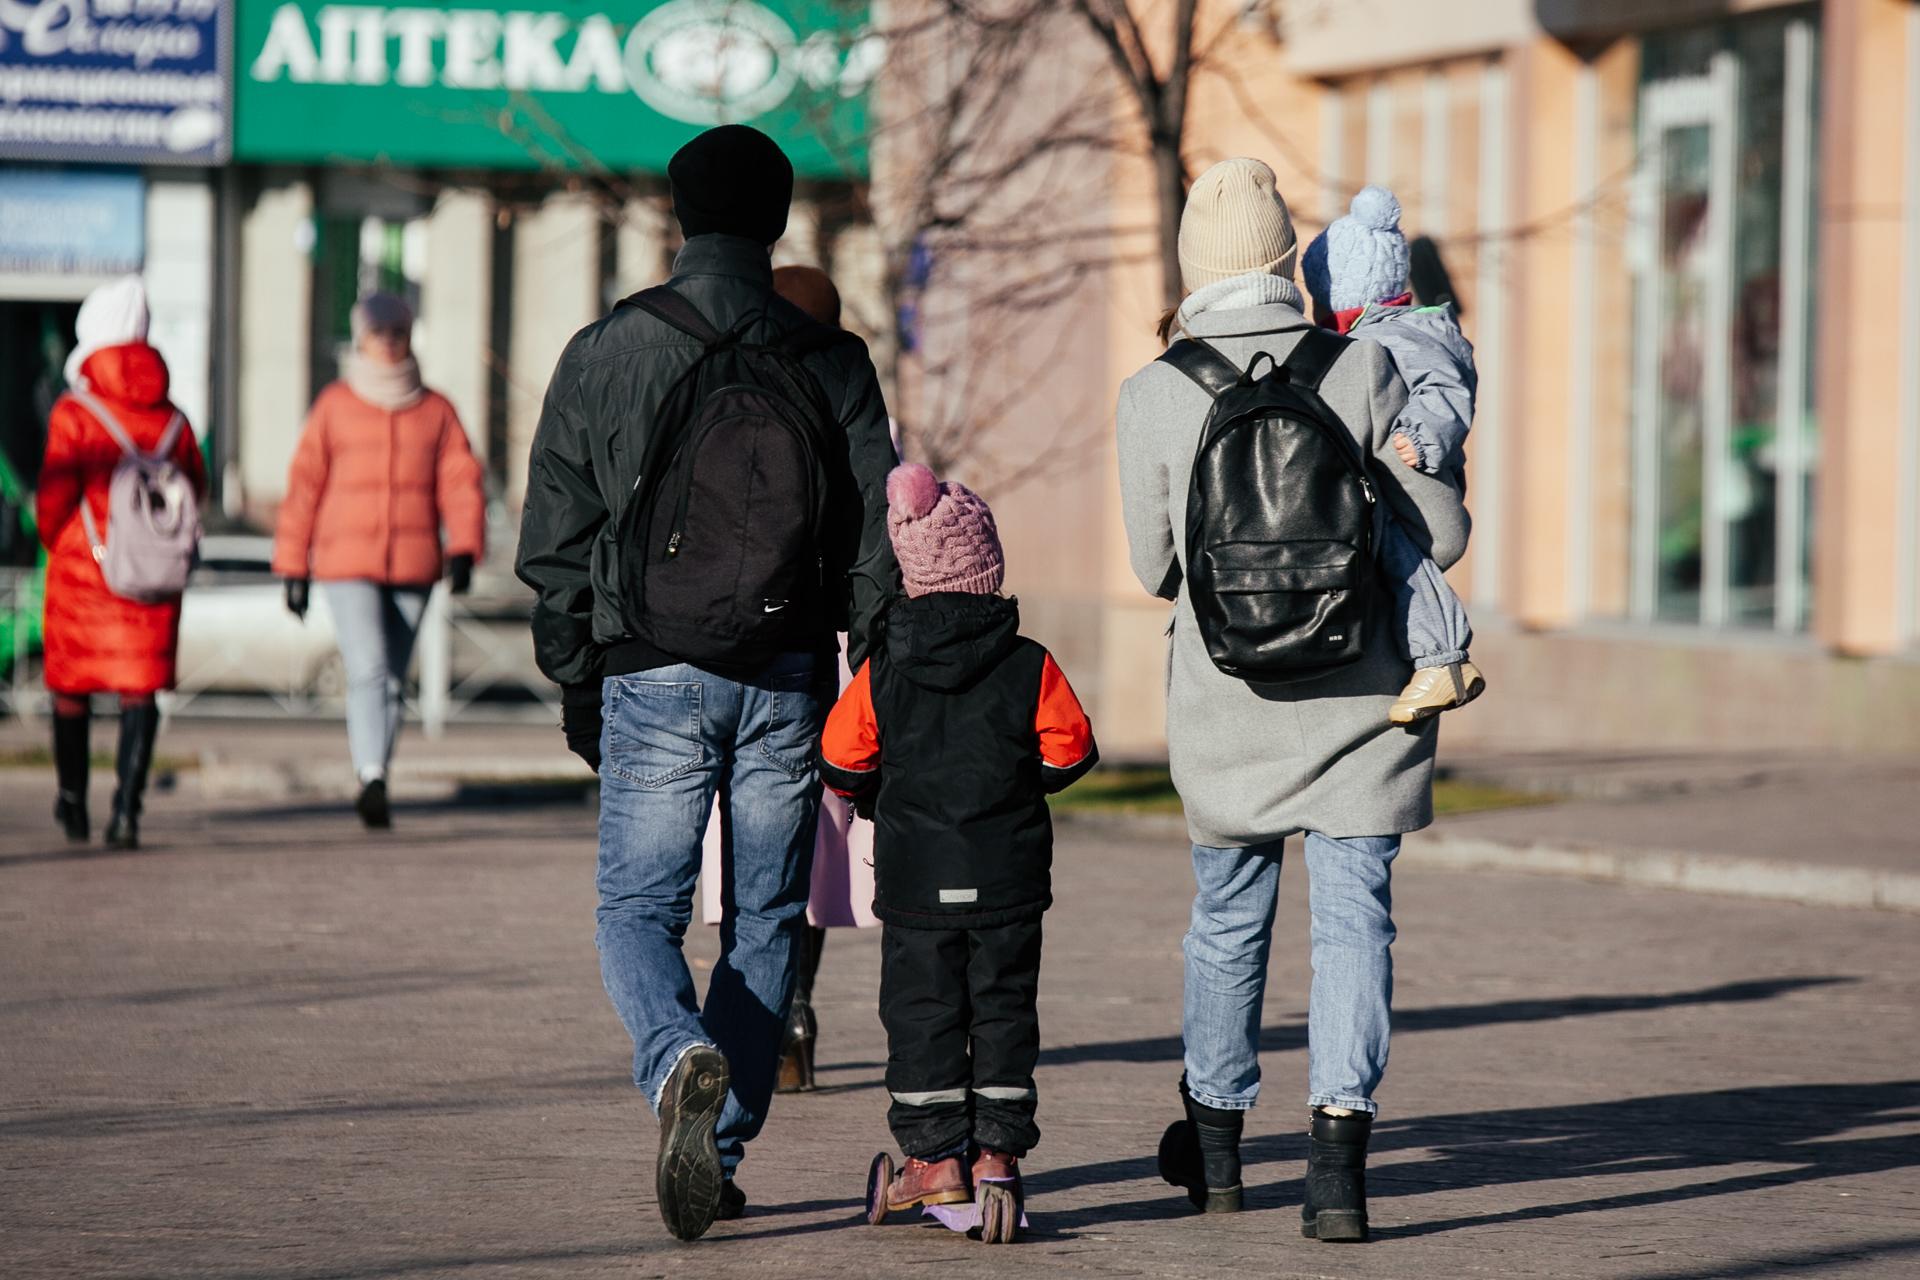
371, 488
96, 641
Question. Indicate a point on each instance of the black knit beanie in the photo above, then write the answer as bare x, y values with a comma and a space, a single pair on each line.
733, 180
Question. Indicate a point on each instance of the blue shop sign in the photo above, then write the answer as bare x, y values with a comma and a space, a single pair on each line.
80, 222
115, 81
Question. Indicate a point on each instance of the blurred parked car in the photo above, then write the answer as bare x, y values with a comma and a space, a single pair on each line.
236, 635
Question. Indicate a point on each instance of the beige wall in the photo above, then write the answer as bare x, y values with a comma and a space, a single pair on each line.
1545, 279
1863, 159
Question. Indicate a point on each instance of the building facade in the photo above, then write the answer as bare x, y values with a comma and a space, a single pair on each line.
1685, 238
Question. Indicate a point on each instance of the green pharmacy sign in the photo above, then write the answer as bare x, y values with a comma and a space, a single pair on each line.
613, 85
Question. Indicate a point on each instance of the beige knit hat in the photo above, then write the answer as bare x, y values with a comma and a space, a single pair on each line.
1235, 224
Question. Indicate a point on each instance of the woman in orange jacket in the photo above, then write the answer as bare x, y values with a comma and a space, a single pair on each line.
382, 467
96, 641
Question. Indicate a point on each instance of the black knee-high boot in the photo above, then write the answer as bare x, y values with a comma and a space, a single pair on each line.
1335, 1204
139, 725
803, 1029
1202, 1154
70, 748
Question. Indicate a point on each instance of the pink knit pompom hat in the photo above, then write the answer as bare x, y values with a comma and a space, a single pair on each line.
943, 534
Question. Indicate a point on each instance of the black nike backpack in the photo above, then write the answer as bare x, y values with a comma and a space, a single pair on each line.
1280, 516
723, 543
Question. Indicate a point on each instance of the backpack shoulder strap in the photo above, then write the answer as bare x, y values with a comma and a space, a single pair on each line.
104, 416
1307, 364
170, 438
1204, 363
668, 306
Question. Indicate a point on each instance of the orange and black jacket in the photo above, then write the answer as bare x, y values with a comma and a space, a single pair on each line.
955, 731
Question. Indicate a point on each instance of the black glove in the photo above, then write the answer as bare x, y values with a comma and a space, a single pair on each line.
298, 591
460, 574
580, 721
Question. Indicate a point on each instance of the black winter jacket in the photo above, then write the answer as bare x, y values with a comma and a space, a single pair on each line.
956, 730
593, 432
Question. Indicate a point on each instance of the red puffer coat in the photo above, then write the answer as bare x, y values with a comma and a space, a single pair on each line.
97, 642
370, 488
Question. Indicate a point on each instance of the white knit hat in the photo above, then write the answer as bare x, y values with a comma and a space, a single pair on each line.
1360, 259
1235, 224
112, 316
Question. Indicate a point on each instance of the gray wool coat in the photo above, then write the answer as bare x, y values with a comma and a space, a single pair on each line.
1256, 762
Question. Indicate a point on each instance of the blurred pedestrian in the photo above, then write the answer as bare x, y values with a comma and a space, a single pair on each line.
705, 508
382, 468
841, 894
99, 641
1258, 759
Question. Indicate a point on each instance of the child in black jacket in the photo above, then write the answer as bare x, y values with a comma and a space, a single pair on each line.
955, 732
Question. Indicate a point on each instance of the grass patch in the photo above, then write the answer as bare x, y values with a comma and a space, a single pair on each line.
1131, 789
42, 758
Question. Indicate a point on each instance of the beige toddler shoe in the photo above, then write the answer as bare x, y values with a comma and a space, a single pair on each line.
1436, 689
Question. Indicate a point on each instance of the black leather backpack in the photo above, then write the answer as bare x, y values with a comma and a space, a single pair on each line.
1280, 516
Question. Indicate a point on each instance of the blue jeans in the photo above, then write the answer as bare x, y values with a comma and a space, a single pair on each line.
672, 738
374, 625
1227, 948
1429, 619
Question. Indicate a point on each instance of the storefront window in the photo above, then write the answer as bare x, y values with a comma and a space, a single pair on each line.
1722, 371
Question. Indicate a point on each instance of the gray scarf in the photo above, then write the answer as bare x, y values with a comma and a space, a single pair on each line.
1255, 289
384, 386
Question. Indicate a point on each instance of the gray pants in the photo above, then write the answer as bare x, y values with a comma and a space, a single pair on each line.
1428, 617
375, 625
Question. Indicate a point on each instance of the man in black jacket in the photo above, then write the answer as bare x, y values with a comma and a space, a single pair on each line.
676, 732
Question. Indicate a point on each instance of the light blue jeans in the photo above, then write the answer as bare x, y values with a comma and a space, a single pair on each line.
1429, 619
672, 737
374, 625
1228, 945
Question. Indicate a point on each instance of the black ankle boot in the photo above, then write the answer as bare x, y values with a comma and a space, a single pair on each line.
70, 734
1335, 1205
139, 725
1202, 1154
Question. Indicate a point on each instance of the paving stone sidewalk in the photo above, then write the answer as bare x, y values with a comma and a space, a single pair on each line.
271, 1046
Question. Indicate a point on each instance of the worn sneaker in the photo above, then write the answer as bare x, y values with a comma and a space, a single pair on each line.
927, 1182
1436, 689
687, 1178
733, 1202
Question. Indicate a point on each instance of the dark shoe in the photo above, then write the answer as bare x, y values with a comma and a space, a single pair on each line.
70, 811
375, 813
796, 1052
733, 1202
687, 1178
139, 726
1335, 1206
70, 769
924, 1182
123, 830
1202, 1154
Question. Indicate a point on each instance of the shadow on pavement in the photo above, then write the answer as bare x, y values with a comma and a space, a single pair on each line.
1802, 1261
1287, 1036
1799, 1132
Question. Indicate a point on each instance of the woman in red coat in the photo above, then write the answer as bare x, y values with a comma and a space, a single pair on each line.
96, 641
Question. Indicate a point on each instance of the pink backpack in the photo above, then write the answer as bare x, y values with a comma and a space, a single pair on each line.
153, 518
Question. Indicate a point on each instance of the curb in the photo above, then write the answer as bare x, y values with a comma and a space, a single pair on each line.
223, 778
1809, 885
1859, 888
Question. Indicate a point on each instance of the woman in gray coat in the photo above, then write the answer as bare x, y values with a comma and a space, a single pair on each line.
1255, 763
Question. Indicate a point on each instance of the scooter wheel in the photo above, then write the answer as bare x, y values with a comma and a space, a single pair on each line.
879, 1178
999, 1214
